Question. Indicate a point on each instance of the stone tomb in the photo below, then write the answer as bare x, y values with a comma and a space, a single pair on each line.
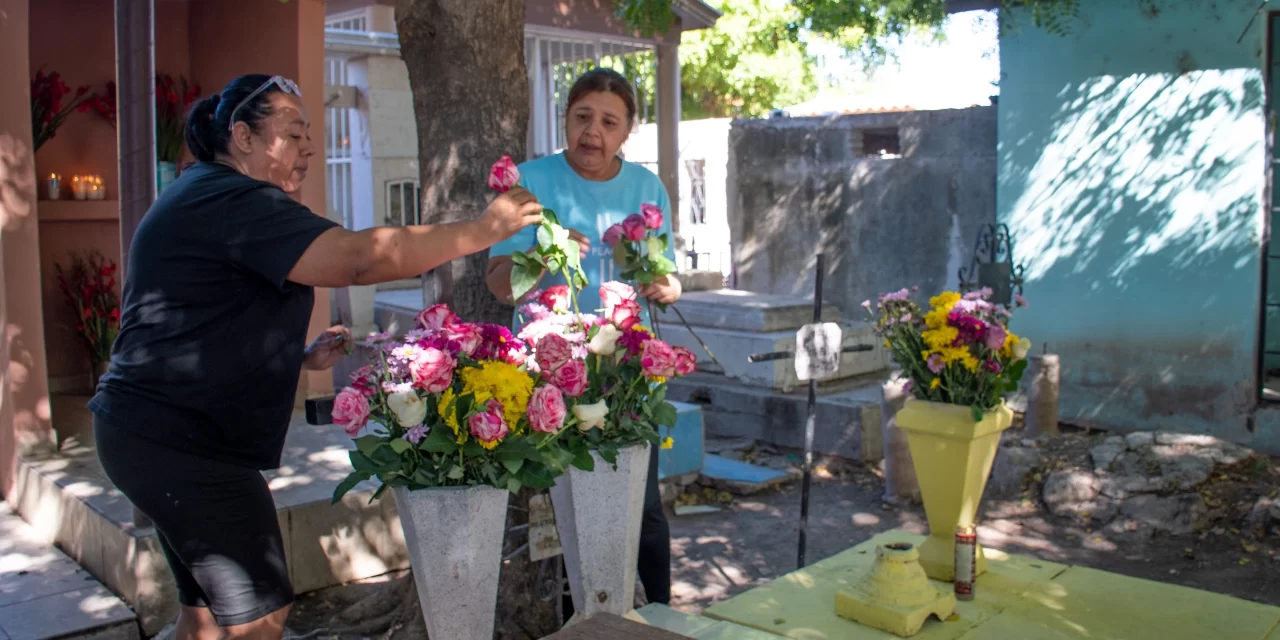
765, 401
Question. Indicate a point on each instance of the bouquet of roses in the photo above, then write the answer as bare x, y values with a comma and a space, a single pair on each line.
959, 352
450, 404
89, 288
610, 371
638, 249
555, 251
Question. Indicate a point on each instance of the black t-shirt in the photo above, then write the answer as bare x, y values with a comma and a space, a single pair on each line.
212, 334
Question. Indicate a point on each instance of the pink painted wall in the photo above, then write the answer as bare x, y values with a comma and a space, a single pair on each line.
285, 39
24, 394
86, 144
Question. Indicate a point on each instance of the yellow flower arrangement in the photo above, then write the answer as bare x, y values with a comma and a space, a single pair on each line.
492, 379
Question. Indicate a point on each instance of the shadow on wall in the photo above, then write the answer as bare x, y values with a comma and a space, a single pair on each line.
1134, 201
891, 222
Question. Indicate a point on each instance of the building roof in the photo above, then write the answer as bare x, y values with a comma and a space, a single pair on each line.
695, 14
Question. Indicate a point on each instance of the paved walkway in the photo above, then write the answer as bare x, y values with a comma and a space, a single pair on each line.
44, 594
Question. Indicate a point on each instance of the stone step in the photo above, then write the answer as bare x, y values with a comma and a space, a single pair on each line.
732, 347
69, 501
740, 478
747, 311
692, 626
688, 446
847, 422
45, 594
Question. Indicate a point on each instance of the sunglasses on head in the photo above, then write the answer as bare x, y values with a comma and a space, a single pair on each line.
284, 84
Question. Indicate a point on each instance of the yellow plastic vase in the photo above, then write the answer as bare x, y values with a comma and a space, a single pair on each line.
952, 456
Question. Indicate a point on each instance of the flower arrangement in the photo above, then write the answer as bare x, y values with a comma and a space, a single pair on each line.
173, 99
959, 352
50, 105
89, 288
450, 404
610, 371
104, 104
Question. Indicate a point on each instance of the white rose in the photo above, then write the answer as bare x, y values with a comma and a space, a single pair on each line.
1021, 348
591, 415
606, 341
410, 410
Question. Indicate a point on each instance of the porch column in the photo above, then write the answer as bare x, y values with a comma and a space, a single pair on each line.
136, 116
24, 387
669, 130
135, 128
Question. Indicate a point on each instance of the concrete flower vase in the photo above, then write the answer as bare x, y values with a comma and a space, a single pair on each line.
895, 595
598, 518
454, 537
952, 456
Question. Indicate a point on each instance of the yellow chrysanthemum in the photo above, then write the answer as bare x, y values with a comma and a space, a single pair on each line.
492, 379
935, 383
643, 328
667, 443
941, 307
941, 338
657, 379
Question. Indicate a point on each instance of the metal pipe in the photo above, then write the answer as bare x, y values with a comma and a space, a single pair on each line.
809, 420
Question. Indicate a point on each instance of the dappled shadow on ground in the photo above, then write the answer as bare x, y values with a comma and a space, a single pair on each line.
719, 555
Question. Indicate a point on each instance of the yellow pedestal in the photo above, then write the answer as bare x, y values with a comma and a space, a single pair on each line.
952, 456
895, 595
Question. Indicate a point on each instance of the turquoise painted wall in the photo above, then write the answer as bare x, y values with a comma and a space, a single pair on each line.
1132, 176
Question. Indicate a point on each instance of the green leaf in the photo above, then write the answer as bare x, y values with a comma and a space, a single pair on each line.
348, 484
400, 446
512, 464
523, 279
977, 413
666, 242
440, 440
361, 462
645, 277
553, 264
620, 252
662, 265
583, 460
665, 414
520, 258
546, 239
550, 216
367, 444
456, 473
513, 485
382, 489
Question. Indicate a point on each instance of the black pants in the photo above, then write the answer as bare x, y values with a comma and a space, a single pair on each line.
654, 566
216, 523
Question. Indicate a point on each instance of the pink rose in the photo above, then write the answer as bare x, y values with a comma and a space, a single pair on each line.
467, 336
625, 314
365, 381
433, 370
652, 215
436, 317
571, 377
686, 362
552, 351
503, 175
488, 425
658, 359
633, 228
613, 293
546, 410
350, 410
612, 235
556, 298
516, 356
995, 337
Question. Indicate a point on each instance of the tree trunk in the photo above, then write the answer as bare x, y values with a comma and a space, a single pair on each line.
471, 100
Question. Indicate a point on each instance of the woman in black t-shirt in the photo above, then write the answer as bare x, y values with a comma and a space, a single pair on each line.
217, 302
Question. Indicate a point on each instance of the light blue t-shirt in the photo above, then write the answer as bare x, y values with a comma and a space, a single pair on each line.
589, 207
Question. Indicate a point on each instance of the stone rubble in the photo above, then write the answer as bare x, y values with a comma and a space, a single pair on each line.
1144, 483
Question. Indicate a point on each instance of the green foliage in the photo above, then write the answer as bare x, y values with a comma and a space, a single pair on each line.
556, 252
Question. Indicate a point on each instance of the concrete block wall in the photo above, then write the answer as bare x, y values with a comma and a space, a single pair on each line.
891, 222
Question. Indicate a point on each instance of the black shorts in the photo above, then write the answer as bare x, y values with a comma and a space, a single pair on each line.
216, 523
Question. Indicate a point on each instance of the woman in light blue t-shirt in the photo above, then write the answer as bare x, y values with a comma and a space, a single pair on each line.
590, 188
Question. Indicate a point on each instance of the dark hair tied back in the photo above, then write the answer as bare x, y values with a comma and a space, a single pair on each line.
602, 80
208, 130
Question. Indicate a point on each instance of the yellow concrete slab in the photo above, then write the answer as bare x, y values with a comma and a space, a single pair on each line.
1275, 633
729, 631
1087, 603
664, 617
801, 605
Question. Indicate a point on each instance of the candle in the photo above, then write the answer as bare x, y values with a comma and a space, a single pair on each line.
79, 186
54, 186
97, 190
